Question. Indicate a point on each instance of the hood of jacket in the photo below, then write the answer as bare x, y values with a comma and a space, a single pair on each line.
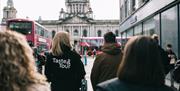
111, 48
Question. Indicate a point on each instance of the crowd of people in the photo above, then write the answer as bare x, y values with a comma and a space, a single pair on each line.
141, 65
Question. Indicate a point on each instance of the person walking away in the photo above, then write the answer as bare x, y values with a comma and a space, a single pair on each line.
176, 73
172, 60
164, 55
106, 63
17, 65
64, 68
40, 60
94, 52
141, 68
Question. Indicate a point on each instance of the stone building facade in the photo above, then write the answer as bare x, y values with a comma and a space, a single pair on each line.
77, 19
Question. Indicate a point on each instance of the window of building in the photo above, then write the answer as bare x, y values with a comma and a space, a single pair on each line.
130, 32
138, 30
85, 33
42, 32
121, 14
53, 33
169, 28
149, 27
67, 30
133, 5
123, 35
76, 33
117, 33
157, 24
99, 33
126, 8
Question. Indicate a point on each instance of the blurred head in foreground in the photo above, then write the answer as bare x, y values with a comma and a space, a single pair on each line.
17, 65
141, 63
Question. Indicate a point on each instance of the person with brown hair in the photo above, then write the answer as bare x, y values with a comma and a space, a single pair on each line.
106, 63
17, 65
64, 68
141, 68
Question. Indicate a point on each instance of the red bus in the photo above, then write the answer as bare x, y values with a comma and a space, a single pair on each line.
36, 34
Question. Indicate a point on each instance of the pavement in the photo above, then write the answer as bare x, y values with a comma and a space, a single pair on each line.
88, 68
89, 65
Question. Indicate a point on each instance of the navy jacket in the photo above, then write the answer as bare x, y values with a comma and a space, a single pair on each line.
64, 71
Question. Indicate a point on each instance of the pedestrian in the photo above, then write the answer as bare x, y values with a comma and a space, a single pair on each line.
141, 68
94, 52
17, 66
39, 59
64, 68
171, 55
176, 73
106, 63
172, 60
164, 55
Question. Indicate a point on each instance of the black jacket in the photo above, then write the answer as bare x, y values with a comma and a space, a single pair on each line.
64, 71
117, 85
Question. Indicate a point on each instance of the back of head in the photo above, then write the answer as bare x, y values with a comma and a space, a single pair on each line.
110, 37
155, 37
17, 68
60, 43
141, 63
169, 45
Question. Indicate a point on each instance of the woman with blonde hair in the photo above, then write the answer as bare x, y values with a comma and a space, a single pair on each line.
64, 68
17, 65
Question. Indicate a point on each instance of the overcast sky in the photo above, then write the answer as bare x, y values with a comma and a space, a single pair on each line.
49, 9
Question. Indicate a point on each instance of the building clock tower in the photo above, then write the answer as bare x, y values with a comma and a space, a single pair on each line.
80, 8
9, 11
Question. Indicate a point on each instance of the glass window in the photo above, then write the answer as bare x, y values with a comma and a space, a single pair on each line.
53, 33
85, 33
99, 33
123, 35
76, 32
138, 30
126, 8
149, 27
42, 32
169, 32
117, 33
123, 40
157, 24
67, 30
130, 32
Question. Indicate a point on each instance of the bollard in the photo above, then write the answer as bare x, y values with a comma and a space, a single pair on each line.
85, 60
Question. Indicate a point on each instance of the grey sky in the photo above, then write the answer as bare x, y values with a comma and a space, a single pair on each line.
49, 9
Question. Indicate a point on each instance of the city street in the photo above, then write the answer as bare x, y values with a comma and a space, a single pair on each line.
88, 68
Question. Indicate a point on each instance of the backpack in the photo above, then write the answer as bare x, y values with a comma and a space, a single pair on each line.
176, 72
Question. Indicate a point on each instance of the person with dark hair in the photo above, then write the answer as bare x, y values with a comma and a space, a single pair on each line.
141, 68
64, 68
39, 59
171, 55
163, 53
172, 60
106, 63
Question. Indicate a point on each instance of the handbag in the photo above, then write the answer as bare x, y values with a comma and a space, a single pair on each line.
83, 85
